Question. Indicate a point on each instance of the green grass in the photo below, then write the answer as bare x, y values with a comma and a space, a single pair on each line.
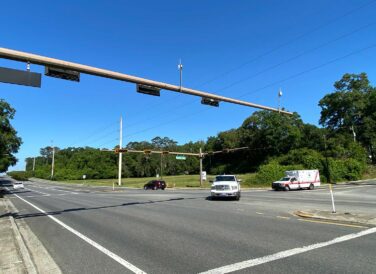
180, 181
370, 173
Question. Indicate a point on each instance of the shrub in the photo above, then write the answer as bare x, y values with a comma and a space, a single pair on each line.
345, 170
273, 171
19, 175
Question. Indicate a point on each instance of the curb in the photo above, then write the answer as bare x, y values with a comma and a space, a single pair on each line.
28, 262
312, 216
35, 256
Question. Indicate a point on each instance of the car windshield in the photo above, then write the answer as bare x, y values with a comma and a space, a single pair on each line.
224, 178
285, 179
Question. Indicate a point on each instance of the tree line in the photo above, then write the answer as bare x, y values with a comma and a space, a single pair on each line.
341, 148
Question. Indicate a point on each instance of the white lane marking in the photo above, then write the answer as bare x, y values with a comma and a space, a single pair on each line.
104, 250
34, 196
43, 193
53, 188
287, 253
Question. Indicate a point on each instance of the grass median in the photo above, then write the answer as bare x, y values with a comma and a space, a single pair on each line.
180, 181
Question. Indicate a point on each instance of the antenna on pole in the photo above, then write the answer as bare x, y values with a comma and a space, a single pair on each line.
279, 100
180, 68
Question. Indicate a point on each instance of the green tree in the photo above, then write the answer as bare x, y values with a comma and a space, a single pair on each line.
350, 110
9, 141
270, 134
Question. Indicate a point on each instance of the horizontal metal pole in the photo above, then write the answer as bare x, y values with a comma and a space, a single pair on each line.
46, 61
152, 152
147, 151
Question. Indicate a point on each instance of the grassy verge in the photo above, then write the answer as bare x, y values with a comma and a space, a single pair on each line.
370, 173
181, 181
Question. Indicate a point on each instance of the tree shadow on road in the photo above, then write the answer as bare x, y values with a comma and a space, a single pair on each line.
58, 212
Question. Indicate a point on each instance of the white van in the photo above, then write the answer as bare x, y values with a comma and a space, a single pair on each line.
225, 186
18, 185
298, 179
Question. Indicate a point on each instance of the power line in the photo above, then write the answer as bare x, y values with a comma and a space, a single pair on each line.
262, 88
310, 69
94, 133
287, 43
110, 141
273, 50
103, 136
298, 56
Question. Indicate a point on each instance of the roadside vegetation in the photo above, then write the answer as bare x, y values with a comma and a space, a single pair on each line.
178, 181
342, 149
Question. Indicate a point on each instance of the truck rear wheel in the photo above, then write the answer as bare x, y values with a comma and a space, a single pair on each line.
311, 187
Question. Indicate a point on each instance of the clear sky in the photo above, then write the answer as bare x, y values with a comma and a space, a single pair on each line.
240, 49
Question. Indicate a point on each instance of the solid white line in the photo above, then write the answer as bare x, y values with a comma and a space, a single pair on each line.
287, 253
104, 250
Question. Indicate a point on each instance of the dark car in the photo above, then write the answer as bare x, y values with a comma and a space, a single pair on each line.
155, 184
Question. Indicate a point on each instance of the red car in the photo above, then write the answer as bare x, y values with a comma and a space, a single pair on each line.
155, 184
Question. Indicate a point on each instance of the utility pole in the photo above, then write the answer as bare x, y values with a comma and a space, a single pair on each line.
53, 162
33, 166
120, 146
161, 166
201, 156
180, 68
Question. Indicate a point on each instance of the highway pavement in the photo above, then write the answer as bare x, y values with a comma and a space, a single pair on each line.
88, 230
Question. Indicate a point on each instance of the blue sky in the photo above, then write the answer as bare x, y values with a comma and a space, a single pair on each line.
240, 49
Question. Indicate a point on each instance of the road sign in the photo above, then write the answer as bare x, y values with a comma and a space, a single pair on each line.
150, 90
203, 174
20, 77
210, 101
64, 74
180, 157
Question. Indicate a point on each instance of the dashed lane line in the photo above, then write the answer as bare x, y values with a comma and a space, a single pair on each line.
104, 250
283, 217
287, 253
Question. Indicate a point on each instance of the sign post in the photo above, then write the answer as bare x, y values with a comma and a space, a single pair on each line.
331, 194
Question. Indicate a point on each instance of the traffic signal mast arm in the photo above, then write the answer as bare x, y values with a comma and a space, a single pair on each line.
149, 151
60, 64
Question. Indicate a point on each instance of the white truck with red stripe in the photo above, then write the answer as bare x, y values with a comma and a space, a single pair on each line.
298, 179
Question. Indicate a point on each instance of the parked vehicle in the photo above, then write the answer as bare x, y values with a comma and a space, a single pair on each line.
155, 184
226, 186
18, 185
298, 179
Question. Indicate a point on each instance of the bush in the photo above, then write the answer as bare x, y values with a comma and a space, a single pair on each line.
19, 175
273, 171
345, 170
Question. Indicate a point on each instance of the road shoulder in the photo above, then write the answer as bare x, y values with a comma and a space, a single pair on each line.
28, 253
340, 217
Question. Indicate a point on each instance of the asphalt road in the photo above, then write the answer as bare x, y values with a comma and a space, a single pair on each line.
181, 231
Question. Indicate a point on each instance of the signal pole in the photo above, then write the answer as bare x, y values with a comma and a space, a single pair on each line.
53, 162
33, 165
120, 146
200, 167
